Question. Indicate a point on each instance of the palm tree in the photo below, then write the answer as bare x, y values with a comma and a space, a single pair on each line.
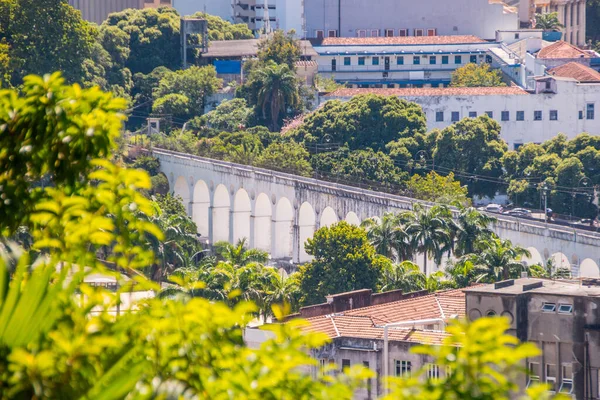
406, 276
279, 89
429, 231
548, 21
463, 272
239, 254
498, 258
282, 289
470, 227
389, 237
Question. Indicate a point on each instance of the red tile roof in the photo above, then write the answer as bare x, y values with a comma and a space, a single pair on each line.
577, 71
562, 49
353, 41
418, 92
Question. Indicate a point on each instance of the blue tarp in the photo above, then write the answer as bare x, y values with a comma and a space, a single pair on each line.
228, 67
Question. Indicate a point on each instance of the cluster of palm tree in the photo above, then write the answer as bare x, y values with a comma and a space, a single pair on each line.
235, 273
475, 253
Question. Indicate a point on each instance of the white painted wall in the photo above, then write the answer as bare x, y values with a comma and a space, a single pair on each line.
289, 16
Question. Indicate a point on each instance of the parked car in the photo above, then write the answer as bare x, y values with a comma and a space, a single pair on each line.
519, 212
495, 208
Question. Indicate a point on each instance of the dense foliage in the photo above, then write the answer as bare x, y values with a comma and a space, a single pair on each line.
474, 75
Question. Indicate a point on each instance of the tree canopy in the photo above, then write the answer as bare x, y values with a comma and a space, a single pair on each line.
472, 75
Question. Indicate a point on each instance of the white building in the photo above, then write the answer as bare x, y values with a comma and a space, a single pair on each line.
399, 61
559, 104
352, 18
220, 8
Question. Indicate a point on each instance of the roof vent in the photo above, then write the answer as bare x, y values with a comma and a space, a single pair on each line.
503, 284
532, 286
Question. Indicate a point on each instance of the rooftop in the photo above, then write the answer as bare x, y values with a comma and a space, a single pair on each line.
356, 41
419, 92
562, 49
246, 48
540, 286
577, 71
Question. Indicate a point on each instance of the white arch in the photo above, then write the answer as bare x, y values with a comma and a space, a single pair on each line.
262, 222
200, 207
241, 216
589, 269
221, 209
352, 218
560, 261
283, 219
306, 224
328, 217
182, 190
536, 257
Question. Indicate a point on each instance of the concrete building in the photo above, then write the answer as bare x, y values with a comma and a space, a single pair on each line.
269, 15
557, 104
158, 3
220, 8
97, 11
356, 18
561, 318
399, 61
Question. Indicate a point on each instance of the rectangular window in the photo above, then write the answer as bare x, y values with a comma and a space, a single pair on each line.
345, 364
520, 115
402, 32
417, 60
433, 371
444, 59
565, 309
549, 307
551, 376
537, 115
332, 33
472, 114
457, 59
533, 374
589, 111
319, 34
432, 59
490, 114
361, 33
403, 368
505, 115
374, 32
580, 114
439, 116
369, 388
455, 116
389, 32
375, 61
400, 60
418, 32
473, 59
431, 32
361, 61
347, 61
566, 385
322, 365
553, 115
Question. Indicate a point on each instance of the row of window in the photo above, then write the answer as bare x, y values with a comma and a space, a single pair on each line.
562, 308
566, 383
416, 60
389, 32
520, 115
403, 368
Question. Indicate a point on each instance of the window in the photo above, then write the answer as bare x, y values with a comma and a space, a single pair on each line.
322, 365
533, 374
403, 368
516, 35
374, 32
402, 32
580, 114
439, 116
490, 114
375, 61
551, 376
432, 59
491, 313
400, 60
505, 115
553, 115
472, 114
369, 387
433, 371
416, 60
389, 32
566, 385
520, 115
361, 33
548, 85
418, 32
361, 61
444, 59
549, 307
431, 32
455, 116
334, 65
345, 364
537, 115
589, 111
565, 309
457, 59
332, 33
473, 59
319, 34
347, 61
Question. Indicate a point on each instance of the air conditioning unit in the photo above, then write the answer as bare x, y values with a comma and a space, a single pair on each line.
423, 56
427, 75
385, 74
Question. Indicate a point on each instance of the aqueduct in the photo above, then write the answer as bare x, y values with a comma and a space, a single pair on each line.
278, 212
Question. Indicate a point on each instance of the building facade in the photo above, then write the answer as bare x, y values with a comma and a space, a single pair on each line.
158, 3
220, 8
353, 18
97, 11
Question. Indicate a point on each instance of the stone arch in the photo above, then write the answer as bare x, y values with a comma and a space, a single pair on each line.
263, 212
589, 269
283, 221
200, 207
306, 223
221, 214
560, 261
182, 189
535, 258
328, 217
242, 207
352, 218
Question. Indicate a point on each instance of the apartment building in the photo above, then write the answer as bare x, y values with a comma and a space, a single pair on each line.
97, 11
565, 102
561, 318
399, 61
158, 3
374, 18
220, 8
269, 15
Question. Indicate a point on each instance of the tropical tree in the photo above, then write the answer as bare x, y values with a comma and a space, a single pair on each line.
405, 275
389, 237
498, 258
476, 75
278, 91
239, 254
282, 289
548, 21
470, 227
463, 272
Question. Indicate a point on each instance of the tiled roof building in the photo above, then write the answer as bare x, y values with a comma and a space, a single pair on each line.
577, 71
